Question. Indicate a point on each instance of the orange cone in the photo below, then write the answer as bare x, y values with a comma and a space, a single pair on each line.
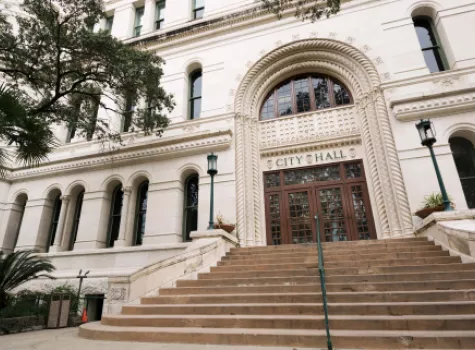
84, 316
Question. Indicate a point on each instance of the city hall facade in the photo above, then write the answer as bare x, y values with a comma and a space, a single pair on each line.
306, 118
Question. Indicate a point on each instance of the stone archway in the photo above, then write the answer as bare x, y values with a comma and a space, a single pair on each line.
356, 71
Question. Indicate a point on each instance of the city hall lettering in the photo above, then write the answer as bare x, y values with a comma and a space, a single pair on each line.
315, 158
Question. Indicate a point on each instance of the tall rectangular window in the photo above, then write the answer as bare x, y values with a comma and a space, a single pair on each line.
138, 21
160, 14
198, 9
109, 23
430, 44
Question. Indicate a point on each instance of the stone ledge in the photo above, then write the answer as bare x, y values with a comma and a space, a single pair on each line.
436, 217
218, 233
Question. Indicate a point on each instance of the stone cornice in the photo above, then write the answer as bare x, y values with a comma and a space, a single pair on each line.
165, 148
436, 105
256, 14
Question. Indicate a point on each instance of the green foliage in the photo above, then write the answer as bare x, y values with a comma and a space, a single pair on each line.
434, 200
19, 267
26, 304
305, 9
54, 58
30, 133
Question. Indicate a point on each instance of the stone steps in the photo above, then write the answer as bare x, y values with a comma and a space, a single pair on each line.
331, 287
255, 281
354, 297
251, 266
405, 323
398, 294
394, 309
346, 271
297, 338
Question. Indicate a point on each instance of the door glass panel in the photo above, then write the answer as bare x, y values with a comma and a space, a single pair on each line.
361, 218
303, 176
273, 180
334, 227
274, 219
300, 218
353, 170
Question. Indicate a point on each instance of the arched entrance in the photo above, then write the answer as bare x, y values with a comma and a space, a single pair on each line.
351, 67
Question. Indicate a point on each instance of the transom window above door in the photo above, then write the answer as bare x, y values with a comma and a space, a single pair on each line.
303, 94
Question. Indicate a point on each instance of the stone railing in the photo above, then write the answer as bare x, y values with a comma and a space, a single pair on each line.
453, 230
206, 250
314, 126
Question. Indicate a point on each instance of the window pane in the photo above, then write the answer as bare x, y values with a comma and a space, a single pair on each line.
196, 108
196, 86
160, 13
139, 16
433, 60
198, 4
199, 13
425, 34
268, 108
320, 87
109, 23
302, 95
284, 99
342, 97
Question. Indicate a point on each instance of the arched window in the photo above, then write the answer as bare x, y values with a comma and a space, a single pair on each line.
303, 94
54, 220
115, 215
190, 212
464, 156
430, 44
195, 94
76, 219
140, 213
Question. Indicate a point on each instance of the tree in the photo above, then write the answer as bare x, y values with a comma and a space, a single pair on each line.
61, 71
305, 9
20, 267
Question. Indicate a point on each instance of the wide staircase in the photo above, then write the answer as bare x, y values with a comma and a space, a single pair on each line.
398, 294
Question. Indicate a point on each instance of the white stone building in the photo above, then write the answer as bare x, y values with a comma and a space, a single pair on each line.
304, 117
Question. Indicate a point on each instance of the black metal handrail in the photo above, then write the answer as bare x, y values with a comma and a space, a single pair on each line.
321, 270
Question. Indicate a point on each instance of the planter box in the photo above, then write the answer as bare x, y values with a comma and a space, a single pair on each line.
423, 213
227, 228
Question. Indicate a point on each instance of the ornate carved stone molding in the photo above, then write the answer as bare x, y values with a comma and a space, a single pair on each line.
437, 105
358, 72
161, 149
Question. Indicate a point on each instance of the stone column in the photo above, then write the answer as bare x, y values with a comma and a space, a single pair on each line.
95, 214
11, 220
126, 216
149, 17
58, 238
33, 231
164, 224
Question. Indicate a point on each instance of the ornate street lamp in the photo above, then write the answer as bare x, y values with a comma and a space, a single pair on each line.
427, 133
212, 170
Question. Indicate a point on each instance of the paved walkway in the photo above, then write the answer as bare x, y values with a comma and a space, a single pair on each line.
67, 339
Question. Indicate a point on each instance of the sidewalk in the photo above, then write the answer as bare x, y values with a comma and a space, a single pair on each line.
67, 338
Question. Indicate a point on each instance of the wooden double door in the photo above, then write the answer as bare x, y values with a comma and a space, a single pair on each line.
336, 192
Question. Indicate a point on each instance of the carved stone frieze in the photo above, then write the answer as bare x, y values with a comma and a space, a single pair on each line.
166, 147
437, 105
309, 127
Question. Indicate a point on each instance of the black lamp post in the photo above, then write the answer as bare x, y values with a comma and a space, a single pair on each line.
427, 133
212, 170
